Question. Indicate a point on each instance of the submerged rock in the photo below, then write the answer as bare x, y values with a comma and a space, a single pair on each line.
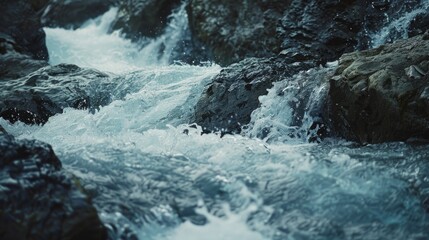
46, 92
72, 14
226, 103
38, 200
143, 18
383, 94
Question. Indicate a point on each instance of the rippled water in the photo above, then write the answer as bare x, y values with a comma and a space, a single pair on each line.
154, 176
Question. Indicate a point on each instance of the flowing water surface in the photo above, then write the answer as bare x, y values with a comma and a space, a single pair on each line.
153, 176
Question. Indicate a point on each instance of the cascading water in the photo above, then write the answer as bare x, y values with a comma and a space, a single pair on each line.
397, 28
152, 176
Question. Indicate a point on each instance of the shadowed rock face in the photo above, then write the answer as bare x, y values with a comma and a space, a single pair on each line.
19, 19
13, 64
234, 30
46, 92
38, 200
143, 18
301, 29
22, 39
72, 14
383, 94
419, 25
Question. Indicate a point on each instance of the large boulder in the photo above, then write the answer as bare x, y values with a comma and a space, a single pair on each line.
72, 14
309, 29
38, 200
234, 30
143, 18
383, 94
228, 101
46, 92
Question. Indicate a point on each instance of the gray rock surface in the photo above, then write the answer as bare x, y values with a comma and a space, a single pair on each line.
38, 200
46, 92
382, 94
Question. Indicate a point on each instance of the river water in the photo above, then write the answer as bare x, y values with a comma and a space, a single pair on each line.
152, 176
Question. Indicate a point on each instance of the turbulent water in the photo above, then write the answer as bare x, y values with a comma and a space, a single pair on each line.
153, 176
397, 27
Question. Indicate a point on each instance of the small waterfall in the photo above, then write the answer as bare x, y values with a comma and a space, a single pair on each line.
92, 46
397, 28
292, 111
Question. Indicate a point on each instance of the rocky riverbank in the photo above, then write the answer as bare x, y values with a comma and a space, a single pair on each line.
374, 95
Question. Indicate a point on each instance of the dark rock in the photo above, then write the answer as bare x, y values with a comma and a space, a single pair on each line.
235, 30
22, 39
143, 18
226, 103
13, 64
20, 20
38, 200
72, 14
310, 29
46, 92
383, 94
419, 25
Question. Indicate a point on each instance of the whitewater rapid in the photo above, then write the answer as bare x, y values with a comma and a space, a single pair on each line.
152, 175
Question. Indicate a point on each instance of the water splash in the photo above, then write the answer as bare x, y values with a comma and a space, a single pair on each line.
398, 28
292, 110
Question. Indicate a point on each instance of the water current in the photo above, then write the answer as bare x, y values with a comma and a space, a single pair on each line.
152, 176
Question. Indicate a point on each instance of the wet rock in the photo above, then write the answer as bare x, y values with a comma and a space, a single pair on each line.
235, 30
311, 29
419, 25
226, 103
38, 200
46, 92
22, 39
19, 20
71, 14
143, 18
13, 64
382, 94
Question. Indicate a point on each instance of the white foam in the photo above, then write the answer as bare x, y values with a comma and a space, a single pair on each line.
92, 46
